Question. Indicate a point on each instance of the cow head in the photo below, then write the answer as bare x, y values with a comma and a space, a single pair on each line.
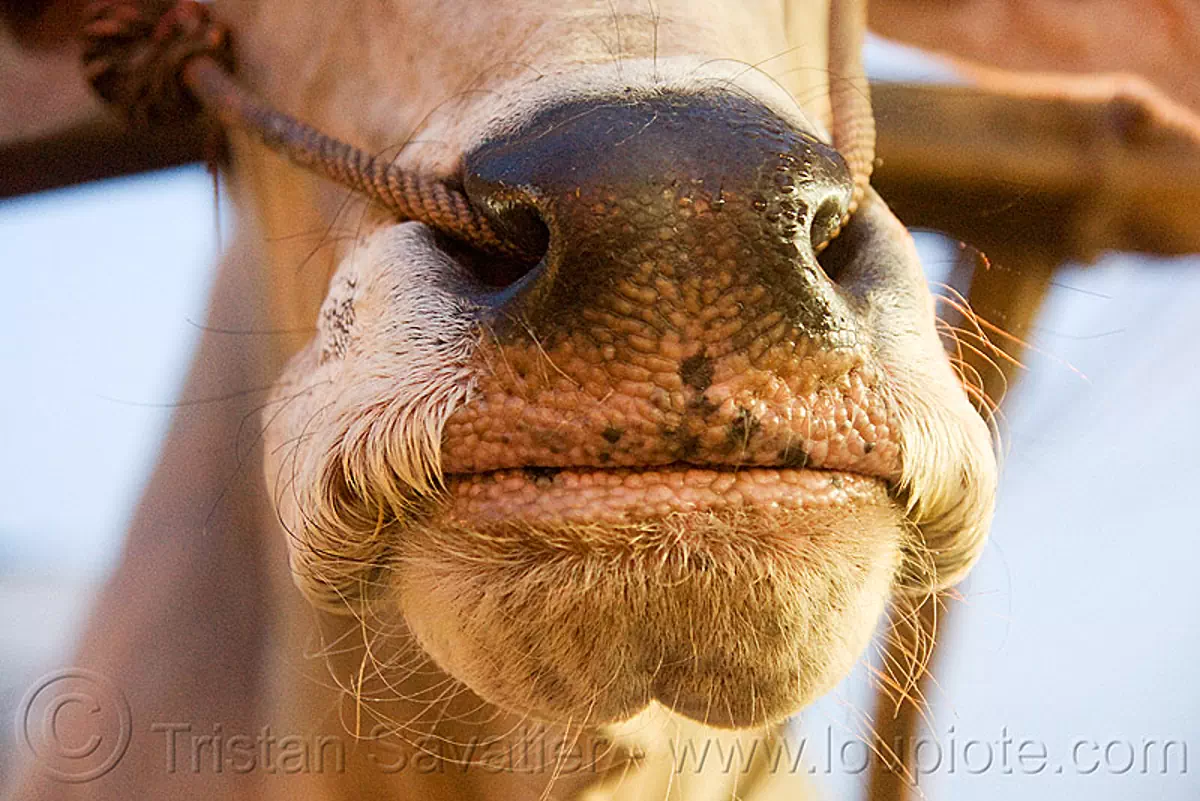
678, 456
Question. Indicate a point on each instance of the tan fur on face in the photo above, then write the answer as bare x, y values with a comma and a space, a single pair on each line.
378, 436
732, 619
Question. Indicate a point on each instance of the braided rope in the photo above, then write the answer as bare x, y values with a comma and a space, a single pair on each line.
161, 59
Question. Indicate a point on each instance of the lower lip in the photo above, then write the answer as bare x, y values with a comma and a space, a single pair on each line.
627, 496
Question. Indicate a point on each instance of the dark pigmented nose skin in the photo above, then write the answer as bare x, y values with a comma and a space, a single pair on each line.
655, 207
679, 314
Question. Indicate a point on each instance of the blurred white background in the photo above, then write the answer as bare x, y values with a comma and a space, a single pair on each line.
1079, 625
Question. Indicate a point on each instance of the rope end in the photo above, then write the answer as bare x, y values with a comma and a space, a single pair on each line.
135, 52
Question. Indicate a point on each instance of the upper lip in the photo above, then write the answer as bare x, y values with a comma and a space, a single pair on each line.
575, 406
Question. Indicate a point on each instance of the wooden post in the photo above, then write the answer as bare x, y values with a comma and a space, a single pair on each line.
1006, 292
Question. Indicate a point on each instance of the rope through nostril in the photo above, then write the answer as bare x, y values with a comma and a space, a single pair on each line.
169, 59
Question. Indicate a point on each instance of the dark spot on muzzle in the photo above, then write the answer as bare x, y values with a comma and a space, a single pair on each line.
697, 372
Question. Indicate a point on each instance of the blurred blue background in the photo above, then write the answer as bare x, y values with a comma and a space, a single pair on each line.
1078, 624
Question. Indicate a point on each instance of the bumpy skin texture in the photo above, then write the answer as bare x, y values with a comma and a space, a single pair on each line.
680, 314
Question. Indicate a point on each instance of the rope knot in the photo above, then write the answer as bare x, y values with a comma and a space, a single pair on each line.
135, 51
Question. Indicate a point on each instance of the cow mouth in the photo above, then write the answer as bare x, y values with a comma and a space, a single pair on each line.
732, 595
629, 495
544, 460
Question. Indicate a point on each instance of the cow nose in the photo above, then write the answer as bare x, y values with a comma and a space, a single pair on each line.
673, 211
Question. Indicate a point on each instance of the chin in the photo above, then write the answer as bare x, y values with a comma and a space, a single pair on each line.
734, 598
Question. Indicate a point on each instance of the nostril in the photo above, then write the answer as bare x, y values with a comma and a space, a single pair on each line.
826, 224
837, 250
515, 217
522, 226
492, 270
832, 200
